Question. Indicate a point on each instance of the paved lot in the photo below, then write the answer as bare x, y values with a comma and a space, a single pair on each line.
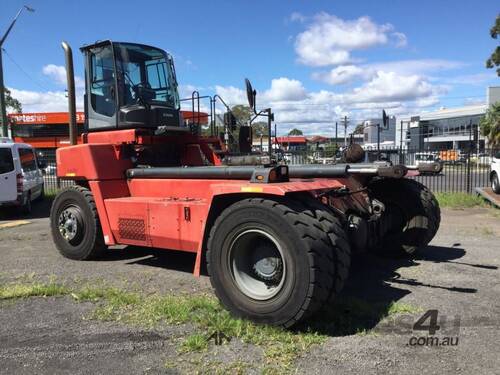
458, 275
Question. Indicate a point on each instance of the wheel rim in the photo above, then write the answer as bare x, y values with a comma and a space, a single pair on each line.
70, 224
257, 264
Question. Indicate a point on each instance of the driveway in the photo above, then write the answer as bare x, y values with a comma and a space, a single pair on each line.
457, 275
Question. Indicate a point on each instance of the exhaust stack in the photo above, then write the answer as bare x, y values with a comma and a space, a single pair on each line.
70, 77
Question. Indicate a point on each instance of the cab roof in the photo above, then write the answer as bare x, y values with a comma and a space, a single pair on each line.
101, 43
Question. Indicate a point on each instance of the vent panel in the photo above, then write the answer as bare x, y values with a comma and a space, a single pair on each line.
132, 229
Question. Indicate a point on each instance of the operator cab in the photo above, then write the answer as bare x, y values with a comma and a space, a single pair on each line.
130, 86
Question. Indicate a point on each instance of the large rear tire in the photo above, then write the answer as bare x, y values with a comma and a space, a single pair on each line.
269, 261
414, 215
340, 248
75, 225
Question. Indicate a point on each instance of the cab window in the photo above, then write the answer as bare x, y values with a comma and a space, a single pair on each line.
102, 81
28, 161
6, 161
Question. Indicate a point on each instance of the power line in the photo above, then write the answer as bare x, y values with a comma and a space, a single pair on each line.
24, 72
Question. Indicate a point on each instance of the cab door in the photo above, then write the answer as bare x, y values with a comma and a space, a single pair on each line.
8, 182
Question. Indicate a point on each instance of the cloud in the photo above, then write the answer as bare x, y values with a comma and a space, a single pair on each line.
58, 74
419, 66
341, 74
400, 39
231, 95
329, 40
297, 17
478, 79
390, 86
345, 74
285, 89
316, 111
50, 101
473, 101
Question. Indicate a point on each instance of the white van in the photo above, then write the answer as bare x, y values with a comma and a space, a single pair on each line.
21, 180
495, 172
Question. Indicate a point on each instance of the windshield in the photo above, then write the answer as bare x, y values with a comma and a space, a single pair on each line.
145, 76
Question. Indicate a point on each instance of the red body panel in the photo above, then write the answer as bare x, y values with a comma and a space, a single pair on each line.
166, 223
162, 213
92, 162
206, 189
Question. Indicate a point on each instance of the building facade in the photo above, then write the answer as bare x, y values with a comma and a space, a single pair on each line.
445, 129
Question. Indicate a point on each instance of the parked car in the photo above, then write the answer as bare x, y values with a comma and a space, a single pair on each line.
21, 180
495, 172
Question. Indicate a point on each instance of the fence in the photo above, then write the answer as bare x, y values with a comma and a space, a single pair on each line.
51, 182
462, 171
462, 174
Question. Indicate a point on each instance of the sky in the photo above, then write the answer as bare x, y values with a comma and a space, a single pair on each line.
313, 62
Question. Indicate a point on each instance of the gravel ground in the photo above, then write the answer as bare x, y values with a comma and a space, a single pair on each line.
457, 275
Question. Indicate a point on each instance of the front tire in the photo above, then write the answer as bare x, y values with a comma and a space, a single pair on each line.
495, 183
41, 197
75, 225
414, 215
270, 262
26, 206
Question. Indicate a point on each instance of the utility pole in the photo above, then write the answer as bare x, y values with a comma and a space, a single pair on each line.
345, 131
401, 144
378, 141
336, 136
3, 103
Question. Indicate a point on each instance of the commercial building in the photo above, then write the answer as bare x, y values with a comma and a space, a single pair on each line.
445, 129
47, 131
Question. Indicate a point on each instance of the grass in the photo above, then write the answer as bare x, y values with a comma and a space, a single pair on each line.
194, 343
459, 200
11, 291
280, 347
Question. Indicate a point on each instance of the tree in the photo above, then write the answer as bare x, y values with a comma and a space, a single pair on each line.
243, 113
490, 125
259, 129
295, 131
494, 59
11, 102
360, 128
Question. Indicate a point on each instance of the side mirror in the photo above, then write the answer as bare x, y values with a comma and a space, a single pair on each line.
385, 119
251, 93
